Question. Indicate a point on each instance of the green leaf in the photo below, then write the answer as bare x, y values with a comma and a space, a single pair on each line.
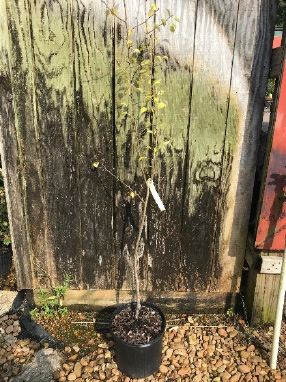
177, 19
129, 42
169, 12
153, 7
141, 158
150, 131
156, 82
151, 13
157, 27
136, 51
159, 58
129, 32
172, 28
164, 22
143, 110
95, 164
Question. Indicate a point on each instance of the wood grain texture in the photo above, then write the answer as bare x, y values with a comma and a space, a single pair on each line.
214, 44
51, 36
27, 165
62, 72
93, 51
176, 77
252, 60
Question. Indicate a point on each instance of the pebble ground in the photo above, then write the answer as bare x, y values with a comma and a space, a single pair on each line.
195, 348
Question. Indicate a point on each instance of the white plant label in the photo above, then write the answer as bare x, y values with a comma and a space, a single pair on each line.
155, 195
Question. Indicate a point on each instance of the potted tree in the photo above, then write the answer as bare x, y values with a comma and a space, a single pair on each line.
137, 327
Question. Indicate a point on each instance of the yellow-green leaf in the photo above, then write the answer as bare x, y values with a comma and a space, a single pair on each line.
151, 13
160, 105
156, 82
129, 42
136, 51
129, 32
172, 28
107, 12
95, 164
159, 58
141, 158
157, 27
177, 19
150, 131
113, 11
143, 110
153, 7
132, 194
169, 12
163, 21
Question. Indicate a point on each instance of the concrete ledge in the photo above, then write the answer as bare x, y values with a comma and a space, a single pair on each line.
6, 300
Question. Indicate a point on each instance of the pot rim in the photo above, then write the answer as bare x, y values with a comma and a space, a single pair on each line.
126, 305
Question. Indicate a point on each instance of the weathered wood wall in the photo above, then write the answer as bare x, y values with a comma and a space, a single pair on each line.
58, 102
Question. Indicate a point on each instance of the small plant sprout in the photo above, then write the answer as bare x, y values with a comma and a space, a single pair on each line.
51, 301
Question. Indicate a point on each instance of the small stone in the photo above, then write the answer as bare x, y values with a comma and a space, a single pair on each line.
71, 377
169, 353
77, 369
163, 369
233, 333
244, 354
244, 369
222, 332
235, 378
83, 362
73, 357
193, 339
9, 329
221, 369
251, 348
184, 371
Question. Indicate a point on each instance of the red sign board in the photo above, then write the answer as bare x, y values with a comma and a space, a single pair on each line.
272, 222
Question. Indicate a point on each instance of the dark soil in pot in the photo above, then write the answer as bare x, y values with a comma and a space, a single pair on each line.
138, 343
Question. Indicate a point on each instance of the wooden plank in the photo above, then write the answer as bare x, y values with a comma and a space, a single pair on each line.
277, 58
212, 144
12, 160
249, 76
165, 256
271, 265
93, 52
168, 301
53, 58
265, 298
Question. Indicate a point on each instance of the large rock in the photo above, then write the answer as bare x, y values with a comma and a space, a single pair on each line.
41, 369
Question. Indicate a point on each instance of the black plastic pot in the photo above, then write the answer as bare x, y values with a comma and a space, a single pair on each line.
5, 262
137, 360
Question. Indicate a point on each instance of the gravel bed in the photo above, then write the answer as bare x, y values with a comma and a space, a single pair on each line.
196, 348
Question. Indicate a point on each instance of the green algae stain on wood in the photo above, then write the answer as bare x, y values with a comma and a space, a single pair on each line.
92, 45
